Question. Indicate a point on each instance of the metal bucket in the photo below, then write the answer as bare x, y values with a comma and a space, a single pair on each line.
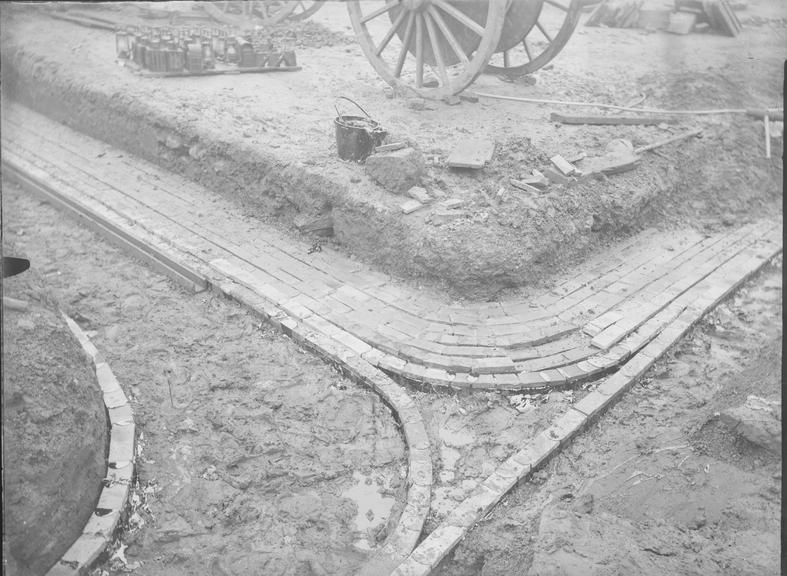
356, 136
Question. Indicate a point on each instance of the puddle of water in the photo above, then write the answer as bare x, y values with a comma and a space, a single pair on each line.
365, 493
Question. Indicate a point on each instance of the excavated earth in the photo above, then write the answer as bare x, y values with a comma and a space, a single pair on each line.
210, 385
268, 140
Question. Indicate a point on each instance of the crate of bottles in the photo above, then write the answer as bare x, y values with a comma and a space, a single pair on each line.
187, 51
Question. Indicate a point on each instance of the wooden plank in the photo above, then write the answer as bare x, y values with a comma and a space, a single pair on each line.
609, 120
473, 153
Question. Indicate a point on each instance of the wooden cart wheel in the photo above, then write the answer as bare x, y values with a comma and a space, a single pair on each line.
451, 41
541, 40
250, 13
304, 9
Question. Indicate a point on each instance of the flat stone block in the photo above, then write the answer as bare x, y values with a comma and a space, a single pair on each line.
121, 415
102, 526
568, 425
538, 450
411, 567
500, 484
592, 405
84, 551
115, 398
113, 497
438, 544
615, 385
106, 378
121, 443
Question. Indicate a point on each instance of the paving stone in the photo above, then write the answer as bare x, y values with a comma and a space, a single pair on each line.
506, 381
113, 497
615, 385
410, 206
102, 526
538, 450
411, 567
83, 552
530, 380
493, 365
552, 377
567, 425
121, 443
121, 415
592, 405
435, 547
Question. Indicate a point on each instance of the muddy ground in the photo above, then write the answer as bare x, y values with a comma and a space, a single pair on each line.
268, 140
253, 455
54, 428
659, 485
238, 424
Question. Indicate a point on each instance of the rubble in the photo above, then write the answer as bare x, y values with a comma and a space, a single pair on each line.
396, 171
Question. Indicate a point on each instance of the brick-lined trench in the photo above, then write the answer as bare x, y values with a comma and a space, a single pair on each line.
671, 291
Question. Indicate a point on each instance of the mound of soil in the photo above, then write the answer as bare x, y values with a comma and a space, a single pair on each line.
268, 143
54, 431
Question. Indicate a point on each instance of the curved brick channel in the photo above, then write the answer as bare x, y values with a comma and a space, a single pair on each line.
619, 311
588, 324
97, 533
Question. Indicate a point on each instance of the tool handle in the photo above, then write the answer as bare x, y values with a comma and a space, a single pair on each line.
773, 113
353, 102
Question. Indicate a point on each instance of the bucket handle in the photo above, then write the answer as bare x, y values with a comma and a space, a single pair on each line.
339, 114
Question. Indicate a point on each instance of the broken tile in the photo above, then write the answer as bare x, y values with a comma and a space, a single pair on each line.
474, 153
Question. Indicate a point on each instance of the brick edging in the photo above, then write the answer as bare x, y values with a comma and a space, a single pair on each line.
403, 538
97, 533
548, 443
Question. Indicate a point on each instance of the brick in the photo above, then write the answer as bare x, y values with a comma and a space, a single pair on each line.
567, 425
436, 376
435, 547
500, 484
572, 372
373, 356
615, 385
494, 365
113, 497
530, 380
83, 552
419, 194
410, 206
552, 377
392, 363
121, 443
121, 415
411, 567
592, 405
102, 526
538, 450
506, 381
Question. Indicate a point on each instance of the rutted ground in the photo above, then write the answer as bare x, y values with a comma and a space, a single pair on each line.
660, 485
254, 455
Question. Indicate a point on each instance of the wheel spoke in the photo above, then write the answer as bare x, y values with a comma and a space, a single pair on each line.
527, 49
436, 48
408, 33
378, 12
388, 35
448, 35
460, 16
557, 4
544, 32
419, 52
